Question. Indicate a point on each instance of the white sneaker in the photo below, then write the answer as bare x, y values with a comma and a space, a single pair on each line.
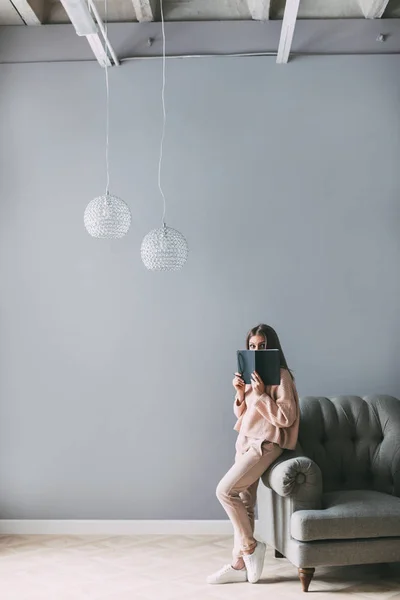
255, 562
227, 574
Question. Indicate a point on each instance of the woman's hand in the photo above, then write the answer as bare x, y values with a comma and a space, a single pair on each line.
257, 383
239, 385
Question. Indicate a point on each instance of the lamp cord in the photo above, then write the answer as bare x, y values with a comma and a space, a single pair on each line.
107, 101
163, 111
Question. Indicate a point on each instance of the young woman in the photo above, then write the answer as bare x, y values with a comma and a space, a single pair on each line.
267, 423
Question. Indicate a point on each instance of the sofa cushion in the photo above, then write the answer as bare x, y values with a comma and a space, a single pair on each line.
349, 514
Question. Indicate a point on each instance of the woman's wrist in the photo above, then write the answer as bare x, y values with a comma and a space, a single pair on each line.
239, 397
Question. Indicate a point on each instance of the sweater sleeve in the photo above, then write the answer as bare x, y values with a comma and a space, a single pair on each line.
281, 412
238, 407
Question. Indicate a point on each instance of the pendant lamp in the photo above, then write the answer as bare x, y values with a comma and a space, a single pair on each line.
163, 248
107, 216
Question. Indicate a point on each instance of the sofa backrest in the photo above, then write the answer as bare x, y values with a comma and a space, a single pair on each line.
355, 441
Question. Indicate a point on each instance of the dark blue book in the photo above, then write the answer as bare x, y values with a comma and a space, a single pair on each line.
265, 362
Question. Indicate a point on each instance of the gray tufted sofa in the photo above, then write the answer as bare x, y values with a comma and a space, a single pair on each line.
335, 500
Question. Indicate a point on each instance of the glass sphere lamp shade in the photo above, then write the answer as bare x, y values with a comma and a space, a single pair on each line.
164, 249
107, 217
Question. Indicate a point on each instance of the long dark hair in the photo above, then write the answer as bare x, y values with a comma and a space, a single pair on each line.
272, 339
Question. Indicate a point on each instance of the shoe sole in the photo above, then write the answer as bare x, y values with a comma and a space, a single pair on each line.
226, 582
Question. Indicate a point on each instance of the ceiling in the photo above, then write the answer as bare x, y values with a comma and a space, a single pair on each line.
88, 16
34, 12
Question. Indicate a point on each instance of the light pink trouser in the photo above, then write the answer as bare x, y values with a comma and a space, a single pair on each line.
237, 492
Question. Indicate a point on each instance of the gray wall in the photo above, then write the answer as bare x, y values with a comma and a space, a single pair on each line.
115, 383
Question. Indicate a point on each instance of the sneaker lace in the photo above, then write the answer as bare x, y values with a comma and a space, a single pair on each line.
250, 558
224, 569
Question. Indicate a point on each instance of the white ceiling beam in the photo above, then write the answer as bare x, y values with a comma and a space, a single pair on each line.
8, 14
32, 12
106, 50
373, 9
90, 27
287, 31
259, 9
97, 47
145, 10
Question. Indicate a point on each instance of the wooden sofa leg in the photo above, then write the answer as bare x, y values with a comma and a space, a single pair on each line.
278, 554
305, 577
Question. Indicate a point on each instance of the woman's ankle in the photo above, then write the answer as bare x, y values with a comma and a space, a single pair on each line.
238, 564
248, 552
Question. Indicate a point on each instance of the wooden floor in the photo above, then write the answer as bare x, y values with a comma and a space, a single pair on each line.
164, 568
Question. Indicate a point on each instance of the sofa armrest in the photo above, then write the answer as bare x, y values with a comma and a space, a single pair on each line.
296, 477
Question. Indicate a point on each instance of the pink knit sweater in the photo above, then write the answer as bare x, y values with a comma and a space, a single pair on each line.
273, 416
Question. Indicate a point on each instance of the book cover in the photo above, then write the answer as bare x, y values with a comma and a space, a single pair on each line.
265, 362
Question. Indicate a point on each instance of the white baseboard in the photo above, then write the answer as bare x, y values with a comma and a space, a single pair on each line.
113, 527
